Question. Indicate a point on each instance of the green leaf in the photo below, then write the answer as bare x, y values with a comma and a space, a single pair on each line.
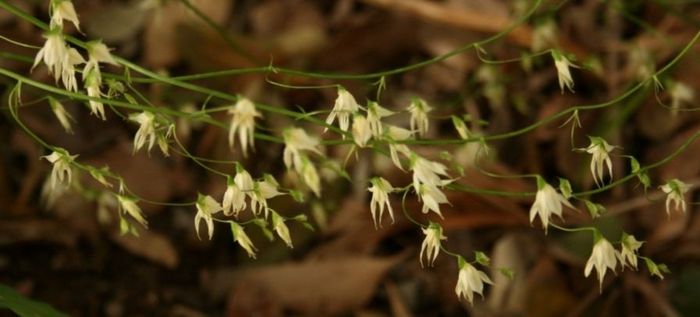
565, 187
634, 164
25, 307
297, 195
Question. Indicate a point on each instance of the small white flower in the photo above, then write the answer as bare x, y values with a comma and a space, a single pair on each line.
600, 149
243, 239
281, 229
419, 116
296, 140
63, 10
544, 35
92, 84
470, 281
603, 257
243, 122
98, 52
562, 64
375, 113
345, 106
675, 189
128, 206
432, 197
53, 53
680, 93
70, 60
206, 207
263, 191
628, 255
61, 174
431, 243
380, 190
426, 172
361, 132
61, 114
310, 174
393, 134
547, 203
147, 130
234, 199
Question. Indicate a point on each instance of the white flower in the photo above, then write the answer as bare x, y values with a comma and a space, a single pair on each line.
628, 255
680, 93
547, 203
375, 113
675, 189
243, 122
431, 243
281, 229
92, 84
419, 115
206, 207
361, 132
470, 281
128, 206
601, 154
98, 52
432, 197
61, 114
234, 199
147, 130
544, 35
61, 174
71, 59
562, 64
392, 135
380, 190
345, 106
603, 257
63, 10
310, 174
263, 191
296, 140
53, 53
242, 239
426, 172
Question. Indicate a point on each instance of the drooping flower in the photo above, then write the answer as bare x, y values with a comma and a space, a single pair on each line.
600, 149
345, 106
426, 172
63, 10
380, 190
61, 114
431, 243
234, 199
264, 190
419, 116
147, 130
206, 208
128, 206
547, 203
562, 64
393, 135
243, 122
675, 189
70, 60
603, 257
243, 240
92, 85
628, 255
680, 93
544, 35
281, 229
98, 52
470, 281
432, 197
61, 174
461, 127
295, 141
309, 173
53, 53
361, 132
375, 113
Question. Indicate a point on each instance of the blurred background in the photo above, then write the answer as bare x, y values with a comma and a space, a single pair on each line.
72, 255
